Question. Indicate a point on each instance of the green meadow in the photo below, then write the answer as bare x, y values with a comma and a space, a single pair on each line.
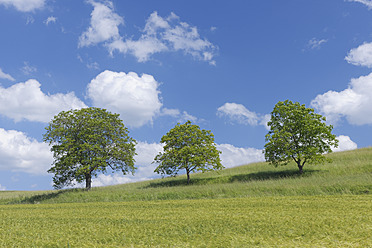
255, 205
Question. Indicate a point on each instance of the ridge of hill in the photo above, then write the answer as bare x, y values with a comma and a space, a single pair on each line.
350, 173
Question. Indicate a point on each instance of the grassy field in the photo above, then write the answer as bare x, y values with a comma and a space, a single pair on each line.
350, 173
306, 221
255, 205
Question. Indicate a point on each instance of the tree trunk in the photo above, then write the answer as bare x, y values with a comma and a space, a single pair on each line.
88, 181
300, 168
188, 176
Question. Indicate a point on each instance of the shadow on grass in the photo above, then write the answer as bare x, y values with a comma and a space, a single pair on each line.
258, 176
42, 197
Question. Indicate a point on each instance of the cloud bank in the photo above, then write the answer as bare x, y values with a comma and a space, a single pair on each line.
26, 101
24, 154
353, 103
345, 144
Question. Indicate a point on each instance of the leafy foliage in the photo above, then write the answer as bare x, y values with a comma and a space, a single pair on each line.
297, 133
190, 148
87, 141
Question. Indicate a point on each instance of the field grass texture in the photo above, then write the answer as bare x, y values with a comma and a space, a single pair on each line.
255, 205
285, 221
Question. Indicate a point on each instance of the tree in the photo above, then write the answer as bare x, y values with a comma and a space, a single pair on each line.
297, 133
188, 147
85, 142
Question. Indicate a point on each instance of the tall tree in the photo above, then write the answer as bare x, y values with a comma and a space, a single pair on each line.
85, 142
188, 147
297, 133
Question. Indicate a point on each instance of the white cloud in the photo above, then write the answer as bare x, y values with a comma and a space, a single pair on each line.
170, 112
105, 180
27, 69
345, 144
93, 66
187, 117
21, 153
315, 43
142, 49
26, 101
135, 98
29, 20
6, 76
368, 3
240, 114
353, 103
103, 24
264, 120
24, 5
159, 35
50, 19
233, 156
361, 55
2, 188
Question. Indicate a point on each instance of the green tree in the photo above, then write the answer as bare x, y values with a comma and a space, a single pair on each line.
188, 147
85, 142
297, 133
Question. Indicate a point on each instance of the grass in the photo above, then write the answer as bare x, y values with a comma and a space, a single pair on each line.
254, 205
350, 173
306, 221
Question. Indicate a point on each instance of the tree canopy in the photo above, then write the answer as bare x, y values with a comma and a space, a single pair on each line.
298, 133
188, 147
88, 141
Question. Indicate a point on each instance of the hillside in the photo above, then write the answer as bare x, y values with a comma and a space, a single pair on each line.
350, 173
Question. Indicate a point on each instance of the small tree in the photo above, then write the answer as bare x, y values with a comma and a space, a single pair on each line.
188, 147
297, 133
85, 142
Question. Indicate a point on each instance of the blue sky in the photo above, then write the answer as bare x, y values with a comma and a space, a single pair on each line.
221, 64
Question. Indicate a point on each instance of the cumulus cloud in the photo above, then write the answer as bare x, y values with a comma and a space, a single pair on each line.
353, 103
240, 114
345, 144
24, 5
142, 49
4, 75
2, 188
315, 43
233, 156
50, 19
361, 55
26, 101
134, 97
24, 154
158, 35
166, 34
104, 24
367, 3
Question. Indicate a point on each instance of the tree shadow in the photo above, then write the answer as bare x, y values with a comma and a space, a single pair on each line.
45, 196
258, 176
271, 175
